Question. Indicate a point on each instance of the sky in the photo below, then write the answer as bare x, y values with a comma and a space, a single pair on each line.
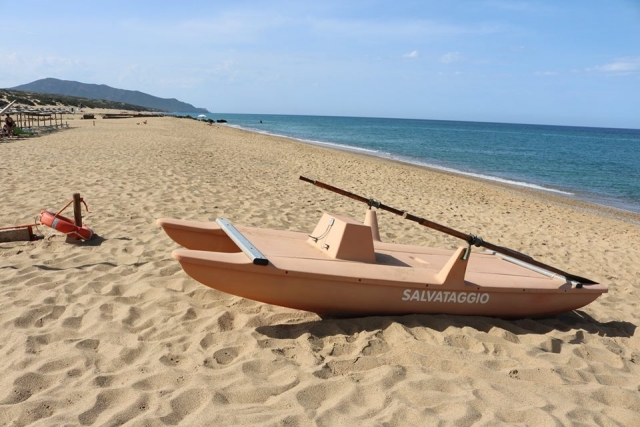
559, 62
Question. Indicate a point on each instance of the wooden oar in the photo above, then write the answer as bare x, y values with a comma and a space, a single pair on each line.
469, 238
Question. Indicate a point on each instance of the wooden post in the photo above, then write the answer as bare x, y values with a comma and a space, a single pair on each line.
77, 209
77, 217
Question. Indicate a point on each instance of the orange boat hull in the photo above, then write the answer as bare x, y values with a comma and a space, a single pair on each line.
387, 279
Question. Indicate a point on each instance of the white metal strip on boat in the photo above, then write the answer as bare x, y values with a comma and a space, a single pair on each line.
524, 264
254, 254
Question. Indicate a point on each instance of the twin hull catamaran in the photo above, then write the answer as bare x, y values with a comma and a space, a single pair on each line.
343, 269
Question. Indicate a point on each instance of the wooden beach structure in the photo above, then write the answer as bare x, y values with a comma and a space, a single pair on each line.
35, 120
40, 119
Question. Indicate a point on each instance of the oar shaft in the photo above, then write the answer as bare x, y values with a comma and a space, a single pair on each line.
440, 227
335, 189
406, 215
469, 238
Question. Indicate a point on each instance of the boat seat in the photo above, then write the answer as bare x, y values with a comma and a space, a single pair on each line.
340, 237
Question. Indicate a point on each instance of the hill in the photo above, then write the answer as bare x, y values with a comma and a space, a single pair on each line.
41, 99
108, 93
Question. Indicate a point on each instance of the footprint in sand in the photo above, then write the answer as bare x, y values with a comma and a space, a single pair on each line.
170, 360
157, 382
104, 400
310, 398
190, 314
375, 347
88, 344
72, 322
39, 316
103, 381
185, 404
26, 386
35, 343
225, 321
226, 355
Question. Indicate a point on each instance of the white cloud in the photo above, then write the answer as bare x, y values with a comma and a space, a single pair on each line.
412, 54
546, 73
450, 57
619, 66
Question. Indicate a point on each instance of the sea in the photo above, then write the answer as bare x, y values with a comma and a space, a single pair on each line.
597, 165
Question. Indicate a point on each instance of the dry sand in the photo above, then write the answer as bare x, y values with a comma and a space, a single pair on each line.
113, 332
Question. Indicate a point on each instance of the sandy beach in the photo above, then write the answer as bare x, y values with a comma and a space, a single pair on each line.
113, 332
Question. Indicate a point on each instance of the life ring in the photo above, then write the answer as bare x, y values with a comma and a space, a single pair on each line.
65, 225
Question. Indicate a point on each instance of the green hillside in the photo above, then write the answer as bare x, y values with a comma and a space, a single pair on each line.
103, 92
39, 99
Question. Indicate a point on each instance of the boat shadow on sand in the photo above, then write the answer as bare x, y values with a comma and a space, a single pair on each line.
577, 321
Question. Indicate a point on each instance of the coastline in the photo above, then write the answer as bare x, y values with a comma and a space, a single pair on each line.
544, 194
113, 331
560, 188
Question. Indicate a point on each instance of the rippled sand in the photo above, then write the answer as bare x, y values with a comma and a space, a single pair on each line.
112, 332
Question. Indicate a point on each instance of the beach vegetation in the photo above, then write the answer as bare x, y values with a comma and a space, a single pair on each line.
36, 99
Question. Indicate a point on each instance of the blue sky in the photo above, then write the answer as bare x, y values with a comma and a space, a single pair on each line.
568, 62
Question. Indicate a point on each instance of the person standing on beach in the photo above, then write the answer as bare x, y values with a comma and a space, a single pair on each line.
9, 124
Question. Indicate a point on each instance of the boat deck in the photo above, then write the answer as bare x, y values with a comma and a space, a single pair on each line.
406, 264
399, 265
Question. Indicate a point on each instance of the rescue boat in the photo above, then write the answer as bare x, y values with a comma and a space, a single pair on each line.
343, 269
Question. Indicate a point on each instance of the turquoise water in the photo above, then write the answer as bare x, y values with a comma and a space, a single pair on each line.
593, 164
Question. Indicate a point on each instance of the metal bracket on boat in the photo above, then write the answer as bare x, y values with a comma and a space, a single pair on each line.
254, 254
374, 204
475, 240
466, 253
